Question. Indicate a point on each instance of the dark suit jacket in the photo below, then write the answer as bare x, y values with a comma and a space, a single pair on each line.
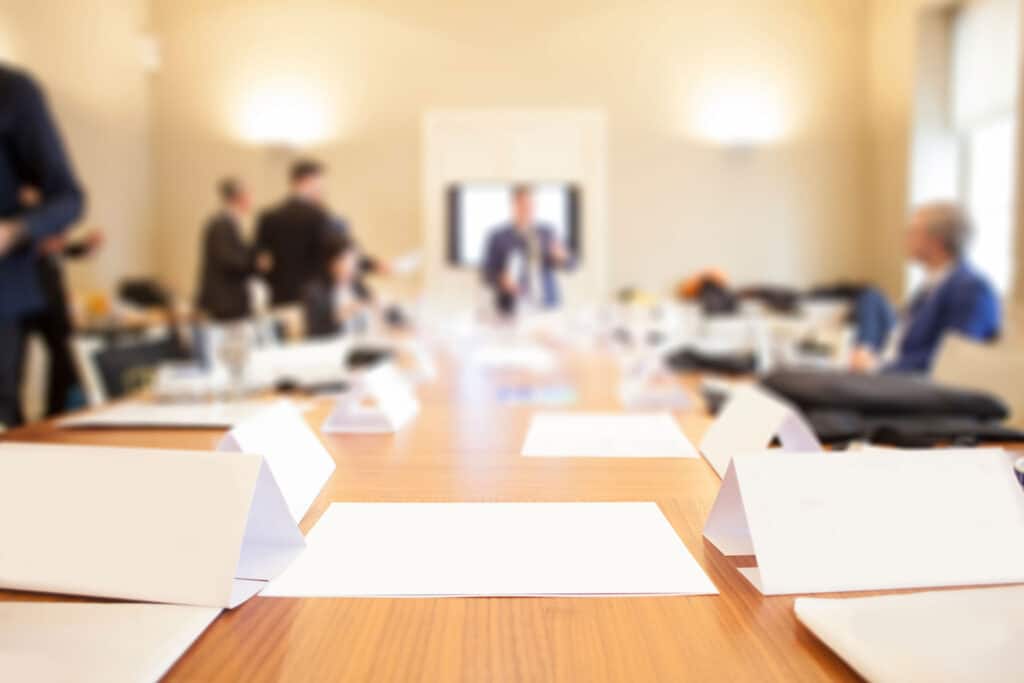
294, 234
31, 153
505, 241
227, 265
964, 302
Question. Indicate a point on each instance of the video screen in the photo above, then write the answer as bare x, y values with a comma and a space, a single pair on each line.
475, 209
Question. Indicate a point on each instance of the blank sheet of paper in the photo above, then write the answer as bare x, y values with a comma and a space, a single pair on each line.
968, 635
102, 642
492, 549
611, 435
144, 415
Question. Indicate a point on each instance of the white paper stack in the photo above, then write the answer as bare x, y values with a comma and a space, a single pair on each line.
968, 636
95, 643
185, 527
492, 549
606, 435
821, 523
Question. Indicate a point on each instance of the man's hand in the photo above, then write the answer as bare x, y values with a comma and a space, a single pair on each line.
558, 253
863, 360
264, 262
508, 284
10, 234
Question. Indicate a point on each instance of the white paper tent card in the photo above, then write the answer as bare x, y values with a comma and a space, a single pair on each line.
606, 435
382, 402
833, 522
187, 527
968, 636
147, 415
96, 642
296, 457
492, 549
748, 422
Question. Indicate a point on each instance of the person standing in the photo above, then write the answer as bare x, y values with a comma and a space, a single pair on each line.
227, 261
521, 258
290, 236
31, 154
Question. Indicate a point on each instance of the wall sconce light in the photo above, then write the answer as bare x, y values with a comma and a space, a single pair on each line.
286, 115
740, 117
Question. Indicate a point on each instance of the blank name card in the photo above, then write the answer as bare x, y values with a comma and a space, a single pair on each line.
962, 636
748, 422
188, 527
606, 435
293, 452
855, 521
492, 549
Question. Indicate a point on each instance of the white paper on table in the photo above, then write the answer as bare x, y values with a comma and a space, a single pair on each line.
749, 420
146, 415
530, 357
293, 452
606, 435
381, 403
96, 642
492, 549
871, 521
965, 635
187, 527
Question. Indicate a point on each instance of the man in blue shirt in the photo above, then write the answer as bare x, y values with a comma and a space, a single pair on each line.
521, 258
954, 297
31, 154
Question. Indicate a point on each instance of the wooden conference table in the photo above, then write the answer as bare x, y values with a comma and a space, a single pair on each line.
464, 447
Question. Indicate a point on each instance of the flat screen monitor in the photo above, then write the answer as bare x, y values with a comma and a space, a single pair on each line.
475, 209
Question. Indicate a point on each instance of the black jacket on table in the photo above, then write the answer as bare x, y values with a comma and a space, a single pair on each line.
227, 265
31, 153
293, 234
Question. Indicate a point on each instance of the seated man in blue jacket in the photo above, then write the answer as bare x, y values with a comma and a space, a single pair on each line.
521, 258
953, 298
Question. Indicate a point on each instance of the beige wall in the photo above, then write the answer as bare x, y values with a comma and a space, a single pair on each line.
791, 210
87, 56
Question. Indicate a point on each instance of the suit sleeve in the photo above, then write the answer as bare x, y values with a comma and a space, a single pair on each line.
39, 151
551, 264
228, 251
975, 312
494, 262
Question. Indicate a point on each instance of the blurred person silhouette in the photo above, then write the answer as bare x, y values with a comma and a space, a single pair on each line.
31, 154
337, 300
53, 323
521, 258
953, 298
228, 262
289, 236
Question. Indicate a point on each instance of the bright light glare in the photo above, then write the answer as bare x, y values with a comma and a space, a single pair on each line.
286, 113
740, 115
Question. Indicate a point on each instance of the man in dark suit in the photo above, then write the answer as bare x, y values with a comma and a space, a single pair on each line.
953, 298
31, 154
521, 258
228, 261
290, 237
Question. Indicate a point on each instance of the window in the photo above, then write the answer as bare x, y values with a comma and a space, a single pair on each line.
984, 91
